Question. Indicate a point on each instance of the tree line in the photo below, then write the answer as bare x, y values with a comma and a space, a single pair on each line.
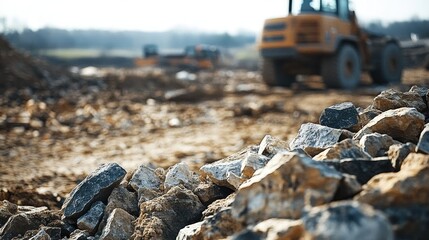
53, 38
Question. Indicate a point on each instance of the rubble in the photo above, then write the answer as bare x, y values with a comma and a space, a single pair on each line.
283, 188
266, 191
226, 171
119, 226
340, 116
145, 177
423, 144
406, 188
96, 186
363, 169
398, 152
314, 138
180, 174
163, 217
347, 220
90, 220
392, 99
270, 146
375, 144
402, 124
344, 149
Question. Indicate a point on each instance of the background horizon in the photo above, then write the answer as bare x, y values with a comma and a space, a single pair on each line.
234, 17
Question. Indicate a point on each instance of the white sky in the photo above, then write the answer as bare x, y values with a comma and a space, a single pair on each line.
161, 15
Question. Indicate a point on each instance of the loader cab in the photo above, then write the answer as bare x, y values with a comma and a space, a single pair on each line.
338, 8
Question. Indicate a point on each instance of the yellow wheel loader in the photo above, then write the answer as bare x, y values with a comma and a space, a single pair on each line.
322, 37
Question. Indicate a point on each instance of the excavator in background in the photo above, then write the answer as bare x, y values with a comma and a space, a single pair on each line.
194, 58
323, 37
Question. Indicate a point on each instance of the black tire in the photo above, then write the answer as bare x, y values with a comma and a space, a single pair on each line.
388, 65
427, 63
343, 70
274, 75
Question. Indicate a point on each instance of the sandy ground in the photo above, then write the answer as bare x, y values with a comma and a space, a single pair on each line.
41, 167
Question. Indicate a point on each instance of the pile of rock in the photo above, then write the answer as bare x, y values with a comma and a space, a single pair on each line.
359, 174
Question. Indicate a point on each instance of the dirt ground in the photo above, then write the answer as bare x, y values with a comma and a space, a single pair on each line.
39, 165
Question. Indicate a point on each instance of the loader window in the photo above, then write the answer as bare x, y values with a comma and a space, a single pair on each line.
305, 6
329, 6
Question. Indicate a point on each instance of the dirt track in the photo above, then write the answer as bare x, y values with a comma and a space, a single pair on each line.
50, 162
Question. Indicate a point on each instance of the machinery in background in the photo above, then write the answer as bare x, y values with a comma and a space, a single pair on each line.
194, 58
323, 37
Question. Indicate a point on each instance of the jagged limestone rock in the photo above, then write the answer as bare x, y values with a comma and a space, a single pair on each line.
283, 187
251, 163
145, 177
398, 152
119, 226
164, 216
392, 99
314, 138
423, 144
403, 124
345, 149
270, 146
376, 144
180, 174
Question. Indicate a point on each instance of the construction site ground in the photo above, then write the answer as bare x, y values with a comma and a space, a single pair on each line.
209, 118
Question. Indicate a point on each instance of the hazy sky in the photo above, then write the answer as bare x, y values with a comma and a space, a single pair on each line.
161, 15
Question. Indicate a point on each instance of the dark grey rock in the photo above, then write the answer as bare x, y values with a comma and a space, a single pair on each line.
95, 187
348, 187
409, 222
120, 226
423, 144
364, 170
347, 220
365, 117
7, 210
314, 138
90, 220
20, 223
340, 116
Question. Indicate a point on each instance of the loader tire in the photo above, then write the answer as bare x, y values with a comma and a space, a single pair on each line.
343, 70
274, 75
388, 65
